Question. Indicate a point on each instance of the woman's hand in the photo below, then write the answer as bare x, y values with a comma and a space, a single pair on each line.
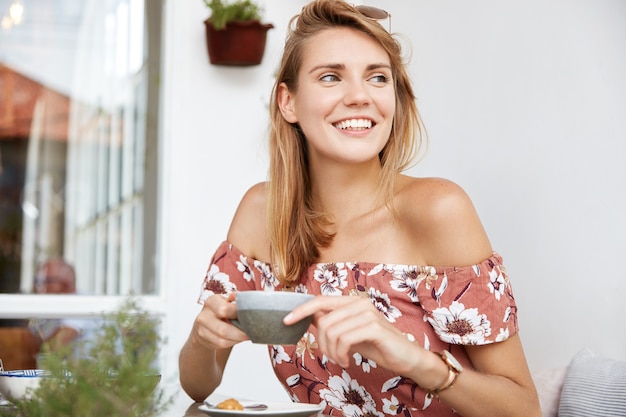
212, 328
203, 357
350, 324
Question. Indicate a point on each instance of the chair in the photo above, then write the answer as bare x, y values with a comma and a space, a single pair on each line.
18, 348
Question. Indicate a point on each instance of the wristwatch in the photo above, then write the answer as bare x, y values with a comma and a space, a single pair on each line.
454, 370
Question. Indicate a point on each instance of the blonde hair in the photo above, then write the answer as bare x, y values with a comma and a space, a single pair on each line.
297, 228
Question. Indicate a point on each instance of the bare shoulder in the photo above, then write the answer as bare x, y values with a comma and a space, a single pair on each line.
248, 230
444, 220
433, 199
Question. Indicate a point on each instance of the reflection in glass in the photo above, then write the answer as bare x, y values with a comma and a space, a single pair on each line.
78, 142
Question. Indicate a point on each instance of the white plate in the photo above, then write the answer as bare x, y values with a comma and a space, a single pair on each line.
283, 409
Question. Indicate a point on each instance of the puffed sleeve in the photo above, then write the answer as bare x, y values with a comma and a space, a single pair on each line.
228, 272
471, 305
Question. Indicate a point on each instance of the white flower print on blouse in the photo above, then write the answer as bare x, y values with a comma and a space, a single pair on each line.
364, 363
502, 335
459, 325
279, 355
507, 314
345, 394
391, 406
497, 283
438, 292
383, 304
216, 282
407, 278
293, 380
301, 288
332, 278
370, 411
306, 346
268, 280
244, 268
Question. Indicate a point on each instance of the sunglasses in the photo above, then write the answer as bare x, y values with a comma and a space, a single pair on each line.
374, 13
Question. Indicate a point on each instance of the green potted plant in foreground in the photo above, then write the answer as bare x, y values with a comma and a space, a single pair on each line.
235, 34
114, 374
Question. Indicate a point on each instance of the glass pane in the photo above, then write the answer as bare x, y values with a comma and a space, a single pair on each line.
78, 142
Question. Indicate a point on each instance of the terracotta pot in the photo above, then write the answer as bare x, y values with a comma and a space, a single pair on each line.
238, 44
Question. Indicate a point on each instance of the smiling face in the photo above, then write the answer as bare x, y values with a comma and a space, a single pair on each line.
345, 98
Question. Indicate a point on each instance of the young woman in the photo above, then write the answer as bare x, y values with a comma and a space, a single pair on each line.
414, 312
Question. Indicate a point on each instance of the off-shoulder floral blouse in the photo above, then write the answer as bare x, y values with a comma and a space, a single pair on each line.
438, 307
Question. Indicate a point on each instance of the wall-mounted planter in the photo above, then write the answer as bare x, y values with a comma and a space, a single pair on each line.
238, 44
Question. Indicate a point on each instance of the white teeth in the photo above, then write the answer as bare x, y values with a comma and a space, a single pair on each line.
354, 124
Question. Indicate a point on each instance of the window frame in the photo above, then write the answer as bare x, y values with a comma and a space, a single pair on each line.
25, 306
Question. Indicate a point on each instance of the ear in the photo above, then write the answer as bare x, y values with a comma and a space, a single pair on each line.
286, 104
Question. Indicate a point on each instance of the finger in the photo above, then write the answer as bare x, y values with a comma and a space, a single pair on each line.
219, 334
377, 340
332, 323
221, 307
213, 327
320, 303
341, 331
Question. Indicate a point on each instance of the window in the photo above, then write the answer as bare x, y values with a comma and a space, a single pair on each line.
78, 142
79, 87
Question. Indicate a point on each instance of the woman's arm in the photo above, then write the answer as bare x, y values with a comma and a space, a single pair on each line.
448, 232
500, 384
204, 355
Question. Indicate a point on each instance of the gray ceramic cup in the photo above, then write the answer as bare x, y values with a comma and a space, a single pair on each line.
260, 315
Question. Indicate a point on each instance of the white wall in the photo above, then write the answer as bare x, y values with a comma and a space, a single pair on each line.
525, 104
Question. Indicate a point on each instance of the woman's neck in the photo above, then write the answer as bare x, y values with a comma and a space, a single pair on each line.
347, 192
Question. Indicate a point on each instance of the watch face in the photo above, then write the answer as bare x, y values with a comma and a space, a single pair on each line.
451, 360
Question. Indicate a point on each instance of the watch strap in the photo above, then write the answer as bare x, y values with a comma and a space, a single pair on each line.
450, 380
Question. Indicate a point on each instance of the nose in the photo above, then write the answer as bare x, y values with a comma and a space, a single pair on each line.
356, 93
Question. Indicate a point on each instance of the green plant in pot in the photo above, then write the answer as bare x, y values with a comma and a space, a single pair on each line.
235, 34
114, 374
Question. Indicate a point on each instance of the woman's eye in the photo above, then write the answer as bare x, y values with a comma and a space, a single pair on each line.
329, 78
379, 78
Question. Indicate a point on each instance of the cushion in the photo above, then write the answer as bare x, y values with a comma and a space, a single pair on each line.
593, 386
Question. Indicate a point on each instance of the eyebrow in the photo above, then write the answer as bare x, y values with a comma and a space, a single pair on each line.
342, 66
